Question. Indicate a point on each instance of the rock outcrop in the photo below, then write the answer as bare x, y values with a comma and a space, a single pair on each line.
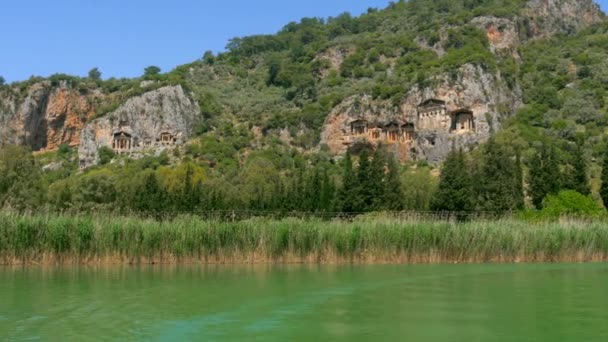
46, 116
549, 17
431, 137
151, 123
538, 19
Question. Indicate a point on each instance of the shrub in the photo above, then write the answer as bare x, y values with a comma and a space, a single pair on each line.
105, 155
570, 203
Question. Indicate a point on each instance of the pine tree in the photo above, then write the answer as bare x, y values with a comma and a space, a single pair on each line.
544, 175
455, 192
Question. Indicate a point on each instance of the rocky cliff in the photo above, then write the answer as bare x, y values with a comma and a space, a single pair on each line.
45, 116
538, 19
484, 94
151, 122
238, 88
548, 17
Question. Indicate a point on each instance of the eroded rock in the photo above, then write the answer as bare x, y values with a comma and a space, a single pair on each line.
149, 123
484, 95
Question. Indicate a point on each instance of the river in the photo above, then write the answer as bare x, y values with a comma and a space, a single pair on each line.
306, 303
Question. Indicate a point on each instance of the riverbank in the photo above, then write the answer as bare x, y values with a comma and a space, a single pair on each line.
46, 240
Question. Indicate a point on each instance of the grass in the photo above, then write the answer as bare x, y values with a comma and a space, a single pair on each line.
101, 240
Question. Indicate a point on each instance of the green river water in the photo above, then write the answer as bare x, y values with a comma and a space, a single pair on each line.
306, 303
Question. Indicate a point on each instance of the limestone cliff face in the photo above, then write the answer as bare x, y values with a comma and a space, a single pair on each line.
151, 122
425, 137
538, 19
46, 116
548, 17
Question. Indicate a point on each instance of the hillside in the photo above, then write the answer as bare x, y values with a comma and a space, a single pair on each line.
419, 78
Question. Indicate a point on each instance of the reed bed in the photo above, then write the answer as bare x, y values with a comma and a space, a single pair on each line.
49, 240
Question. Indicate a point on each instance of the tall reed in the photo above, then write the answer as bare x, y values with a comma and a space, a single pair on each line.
89, 239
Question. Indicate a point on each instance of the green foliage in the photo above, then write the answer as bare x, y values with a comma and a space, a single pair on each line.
95, 74
419, 187
571, 204
152, 71
348, 194
500, 183
284, 85
455, 191
544, 175
106, 155
2, 81
21, 185
150, 195
64, 149
208, 58
604, 180
96, 190
574, 176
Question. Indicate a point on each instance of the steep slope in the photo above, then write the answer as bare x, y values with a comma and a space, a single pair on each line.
46, 117
152, 122
309, 85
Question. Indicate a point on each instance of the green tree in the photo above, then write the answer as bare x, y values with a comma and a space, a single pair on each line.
347, 195
312, 193
499, 186
152, 71
150, 196
208, 58
327, 193
544, 175
575, 174
393, 190
96, 190
60, 195
2, 81
420, 186
455, 192
570, 203
21, 185
95, 74
604, 179
364, 195
106, 155
375, 182
190, 195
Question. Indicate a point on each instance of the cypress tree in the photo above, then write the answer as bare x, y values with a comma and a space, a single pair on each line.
544, 175
327, 193
455, 192
575, 177
604, 186
150, 196
364, 196
499, 186
348, 191
393, 193
313, 191
375, 183
518, 189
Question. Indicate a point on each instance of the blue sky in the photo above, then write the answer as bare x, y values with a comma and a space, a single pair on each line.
122, 37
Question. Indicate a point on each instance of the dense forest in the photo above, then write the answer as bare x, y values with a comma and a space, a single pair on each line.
548, 155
